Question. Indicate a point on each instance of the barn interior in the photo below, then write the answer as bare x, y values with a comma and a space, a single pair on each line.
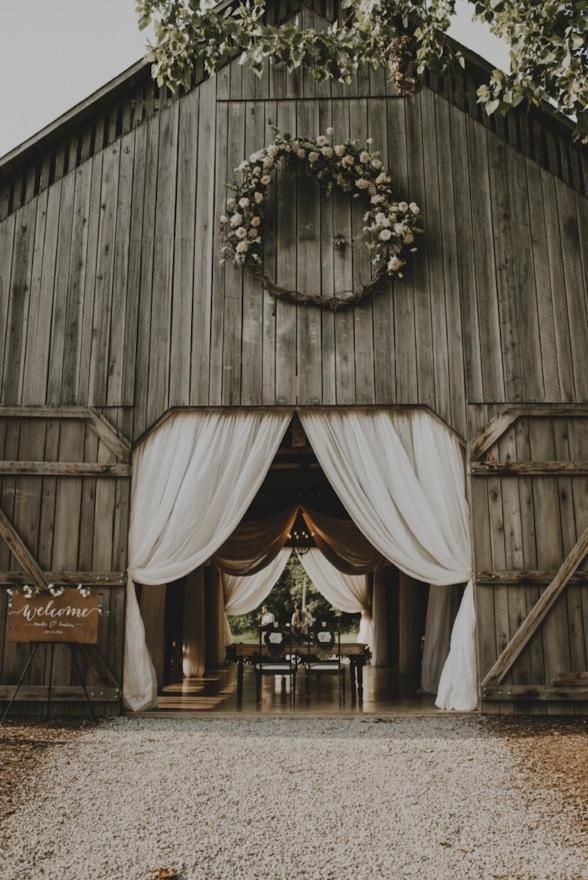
184, 619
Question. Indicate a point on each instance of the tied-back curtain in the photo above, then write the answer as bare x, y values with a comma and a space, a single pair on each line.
245, 593
254, 545
345, 592
401, 478
193, 480
346, 548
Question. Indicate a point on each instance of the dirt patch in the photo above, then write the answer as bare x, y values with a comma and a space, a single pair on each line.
23, 749
554, 755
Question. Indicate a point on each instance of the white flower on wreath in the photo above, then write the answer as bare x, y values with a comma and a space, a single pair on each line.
268, 163
242, 247
272, 151
377, 200
266, 180
258, 197
394, 264
223, 218
381, 178
414, 209
236, 220
403, 206
362, 183
241, 232
243, 203
301, 153
381, 218
327, 152
339, 150
408, 238
255, 221
348, 160
377, 164
385, 235
313, 157
322, 141
369, 141
244, 164
231, 204
399, 229
257, 156
364, 157
253, 233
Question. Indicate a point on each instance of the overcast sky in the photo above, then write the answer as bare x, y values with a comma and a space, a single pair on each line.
54, 53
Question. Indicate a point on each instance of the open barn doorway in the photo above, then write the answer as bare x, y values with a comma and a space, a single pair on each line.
202, 664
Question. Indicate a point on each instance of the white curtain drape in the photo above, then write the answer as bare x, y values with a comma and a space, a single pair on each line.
193, 480
345, 592
441, 611
401, 478
245, 593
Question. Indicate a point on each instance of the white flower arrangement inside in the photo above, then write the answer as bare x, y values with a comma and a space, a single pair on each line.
390, 226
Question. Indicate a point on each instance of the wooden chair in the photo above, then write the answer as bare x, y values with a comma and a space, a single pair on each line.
275, 658
323, 657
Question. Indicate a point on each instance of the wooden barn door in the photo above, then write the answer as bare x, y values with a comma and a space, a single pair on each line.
64, 504
529, 499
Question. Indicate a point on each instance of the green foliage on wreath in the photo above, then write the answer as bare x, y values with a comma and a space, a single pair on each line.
390, 226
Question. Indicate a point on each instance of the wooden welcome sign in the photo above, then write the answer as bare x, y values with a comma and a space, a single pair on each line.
70, 617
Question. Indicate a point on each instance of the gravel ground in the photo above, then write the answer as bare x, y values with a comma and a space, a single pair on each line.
319, 799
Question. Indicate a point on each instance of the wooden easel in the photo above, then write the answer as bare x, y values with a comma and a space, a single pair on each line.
75, 649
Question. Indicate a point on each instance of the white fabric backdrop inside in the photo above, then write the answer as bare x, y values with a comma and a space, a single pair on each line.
401, 477
345, 592
245, 593
193, 480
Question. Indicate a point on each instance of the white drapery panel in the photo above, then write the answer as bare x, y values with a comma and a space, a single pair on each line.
401, 478
193, 480
442, 606
245, 593
345, 592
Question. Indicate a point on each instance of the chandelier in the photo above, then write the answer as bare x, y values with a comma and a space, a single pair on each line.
301, 539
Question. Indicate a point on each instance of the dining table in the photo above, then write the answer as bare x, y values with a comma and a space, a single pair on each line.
248, 653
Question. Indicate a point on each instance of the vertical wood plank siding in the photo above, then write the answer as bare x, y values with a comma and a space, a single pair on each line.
112, 292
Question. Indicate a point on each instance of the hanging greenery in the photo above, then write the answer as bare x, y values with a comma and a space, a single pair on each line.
390, 226
547, 41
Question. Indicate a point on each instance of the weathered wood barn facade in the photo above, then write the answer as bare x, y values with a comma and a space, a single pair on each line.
114, 309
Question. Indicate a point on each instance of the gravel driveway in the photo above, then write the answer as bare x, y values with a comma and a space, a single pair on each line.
222, 799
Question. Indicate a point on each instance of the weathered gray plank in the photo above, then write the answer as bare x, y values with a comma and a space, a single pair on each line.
482, 223
286, 269
308, 260
252, 328
120, 282
186, 230
233, 299
163, 251
20, 281
363, 314
74, 305
207, 211
104, 277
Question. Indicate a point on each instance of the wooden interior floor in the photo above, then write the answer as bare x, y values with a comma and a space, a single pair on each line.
384, 693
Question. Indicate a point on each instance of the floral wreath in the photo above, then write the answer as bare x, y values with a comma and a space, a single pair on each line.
390, 226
